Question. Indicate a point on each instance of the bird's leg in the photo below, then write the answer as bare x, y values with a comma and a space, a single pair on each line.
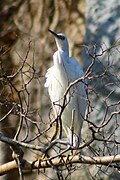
39, 160
56, 131
72, 129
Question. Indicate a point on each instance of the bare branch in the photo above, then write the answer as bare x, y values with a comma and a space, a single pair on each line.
41, 164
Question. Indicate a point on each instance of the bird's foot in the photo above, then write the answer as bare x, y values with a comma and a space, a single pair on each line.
38, 161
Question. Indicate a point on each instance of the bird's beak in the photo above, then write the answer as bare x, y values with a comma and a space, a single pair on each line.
56, 35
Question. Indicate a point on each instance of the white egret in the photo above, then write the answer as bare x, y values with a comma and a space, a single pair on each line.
64, 71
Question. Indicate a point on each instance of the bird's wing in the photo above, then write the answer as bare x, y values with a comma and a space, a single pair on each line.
77, 72
54, 84
48, 77
49, 80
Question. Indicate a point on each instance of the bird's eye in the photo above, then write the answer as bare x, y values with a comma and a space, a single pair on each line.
61, 37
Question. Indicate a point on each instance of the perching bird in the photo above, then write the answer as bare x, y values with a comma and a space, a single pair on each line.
64, 71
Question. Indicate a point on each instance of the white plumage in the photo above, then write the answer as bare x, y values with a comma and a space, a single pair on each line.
64, 71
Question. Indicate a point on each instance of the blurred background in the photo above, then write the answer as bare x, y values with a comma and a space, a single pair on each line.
26, 50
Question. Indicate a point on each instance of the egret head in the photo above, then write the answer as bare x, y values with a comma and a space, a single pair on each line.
61, 41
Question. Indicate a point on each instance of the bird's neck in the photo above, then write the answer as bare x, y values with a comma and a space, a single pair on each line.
60, 57
63, 51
